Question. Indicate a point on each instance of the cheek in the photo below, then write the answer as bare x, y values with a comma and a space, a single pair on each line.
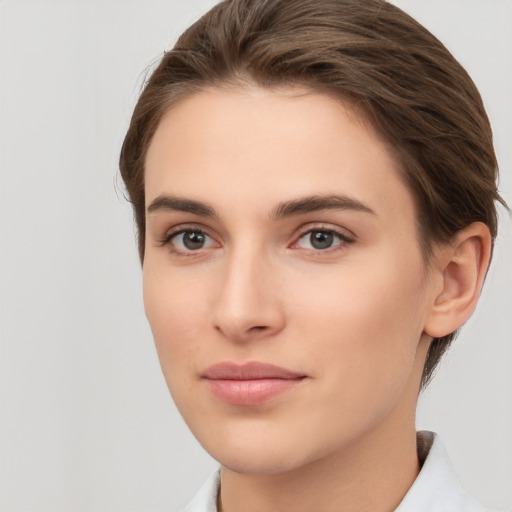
368, 322
362, 341
175, 309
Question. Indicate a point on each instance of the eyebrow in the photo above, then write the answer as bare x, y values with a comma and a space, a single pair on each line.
299, 206
315, 203
178, 204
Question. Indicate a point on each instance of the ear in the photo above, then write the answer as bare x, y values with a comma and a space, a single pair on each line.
461, 267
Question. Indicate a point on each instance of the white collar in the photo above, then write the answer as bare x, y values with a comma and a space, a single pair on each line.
436, 489
206, 498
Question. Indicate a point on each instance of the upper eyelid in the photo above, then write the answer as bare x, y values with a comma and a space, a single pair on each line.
189, 226
324, 226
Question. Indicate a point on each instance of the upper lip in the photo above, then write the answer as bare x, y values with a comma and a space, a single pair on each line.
248, 371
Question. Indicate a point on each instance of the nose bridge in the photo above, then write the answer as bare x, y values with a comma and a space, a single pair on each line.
248, 301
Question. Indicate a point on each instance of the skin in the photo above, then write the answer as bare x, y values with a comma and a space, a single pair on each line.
355, 319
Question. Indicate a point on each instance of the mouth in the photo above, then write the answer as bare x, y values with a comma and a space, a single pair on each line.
249, 384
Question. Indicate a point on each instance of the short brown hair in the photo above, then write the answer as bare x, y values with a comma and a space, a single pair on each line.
406, 82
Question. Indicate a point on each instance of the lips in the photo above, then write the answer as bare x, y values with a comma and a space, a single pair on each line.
249, 384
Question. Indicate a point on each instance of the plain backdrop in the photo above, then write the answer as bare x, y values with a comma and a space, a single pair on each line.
86, 420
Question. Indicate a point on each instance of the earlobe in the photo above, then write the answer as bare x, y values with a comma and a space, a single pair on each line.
462, 266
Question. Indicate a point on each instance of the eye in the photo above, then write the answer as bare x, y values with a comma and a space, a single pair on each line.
190, 240
321, 240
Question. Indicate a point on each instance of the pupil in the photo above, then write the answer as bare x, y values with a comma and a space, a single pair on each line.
321, 239
193, 240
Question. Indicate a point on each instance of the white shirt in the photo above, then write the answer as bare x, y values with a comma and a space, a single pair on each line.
436, 489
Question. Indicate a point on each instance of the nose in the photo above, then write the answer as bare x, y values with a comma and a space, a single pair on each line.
249, 304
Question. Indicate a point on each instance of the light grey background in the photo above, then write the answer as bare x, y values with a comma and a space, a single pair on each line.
86, 420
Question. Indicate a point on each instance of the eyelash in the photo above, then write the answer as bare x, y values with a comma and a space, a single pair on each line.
167, 240
343, 240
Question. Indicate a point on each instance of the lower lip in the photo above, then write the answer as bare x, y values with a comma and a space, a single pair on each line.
250, 392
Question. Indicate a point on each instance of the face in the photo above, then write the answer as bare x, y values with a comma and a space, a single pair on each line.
283, 277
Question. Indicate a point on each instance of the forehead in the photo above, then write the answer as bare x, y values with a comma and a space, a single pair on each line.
255, 147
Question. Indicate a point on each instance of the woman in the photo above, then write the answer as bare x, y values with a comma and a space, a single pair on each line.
314, 185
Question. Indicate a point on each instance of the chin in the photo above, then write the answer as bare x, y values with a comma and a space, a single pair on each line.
263, 451
261, 462
252, 449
